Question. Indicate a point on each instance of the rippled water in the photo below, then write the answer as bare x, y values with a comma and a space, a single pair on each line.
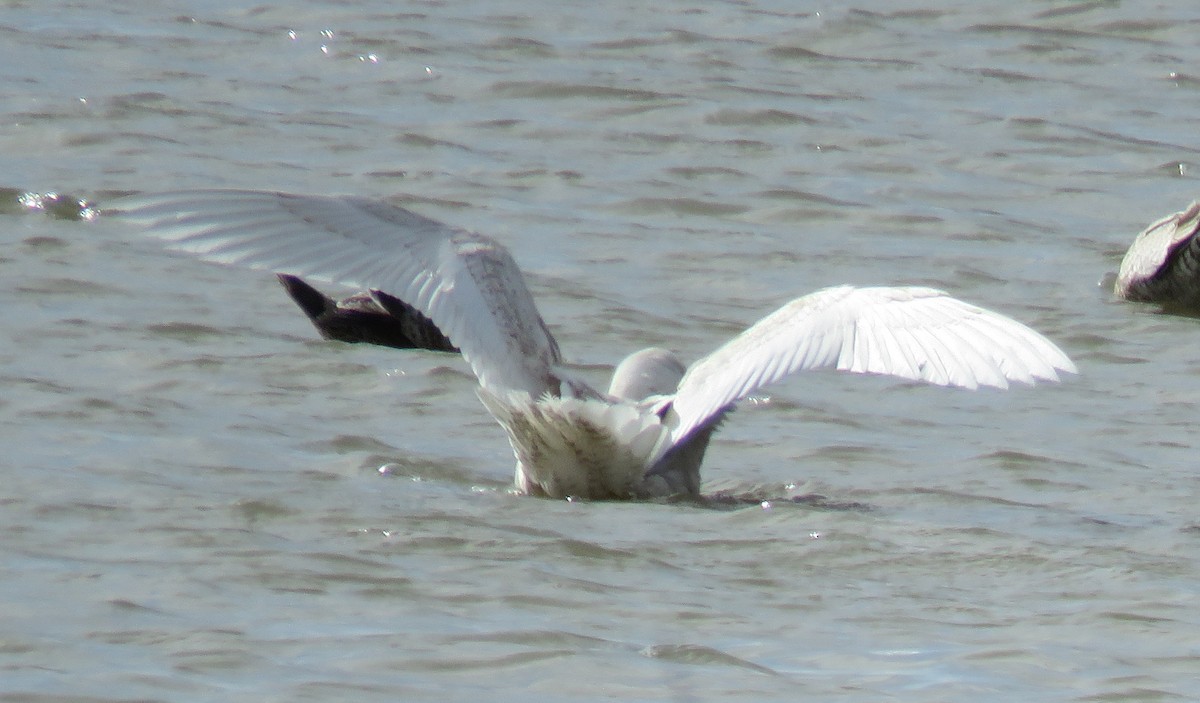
189, 491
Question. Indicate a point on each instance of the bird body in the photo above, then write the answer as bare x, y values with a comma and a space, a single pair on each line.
1163, 263
370, 317
573, 447
647, 435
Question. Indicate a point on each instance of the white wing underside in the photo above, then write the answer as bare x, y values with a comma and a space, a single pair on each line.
466, 283
915, 333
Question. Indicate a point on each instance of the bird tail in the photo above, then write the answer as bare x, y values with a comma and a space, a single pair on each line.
572, 447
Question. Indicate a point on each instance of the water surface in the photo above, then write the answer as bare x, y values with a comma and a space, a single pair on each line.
190, 487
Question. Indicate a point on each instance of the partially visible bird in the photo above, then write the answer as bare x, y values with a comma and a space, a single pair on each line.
1163, 263
646, 436
371, 317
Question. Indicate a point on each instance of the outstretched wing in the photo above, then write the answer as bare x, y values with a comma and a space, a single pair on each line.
916, 333
466, 283
1153, 252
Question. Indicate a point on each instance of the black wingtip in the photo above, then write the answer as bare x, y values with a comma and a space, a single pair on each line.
313, 302
420, 330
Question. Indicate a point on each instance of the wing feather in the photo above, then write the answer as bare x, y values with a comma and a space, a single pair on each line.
466, 283
916, 333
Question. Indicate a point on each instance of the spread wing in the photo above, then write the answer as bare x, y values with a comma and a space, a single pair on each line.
917, 333
466, 283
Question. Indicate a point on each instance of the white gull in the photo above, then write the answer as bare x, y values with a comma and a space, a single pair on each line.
647, 435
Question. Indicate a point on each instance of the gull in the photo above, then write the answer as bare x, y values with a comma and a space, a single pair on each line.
646, 436
1163, 263
371, 317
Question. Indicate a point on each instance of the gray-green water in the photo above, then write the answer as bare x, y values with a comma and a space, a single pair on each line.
189, 493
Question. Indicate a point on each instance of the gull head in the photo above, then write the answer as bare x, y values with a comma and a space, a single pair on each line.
646, 373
